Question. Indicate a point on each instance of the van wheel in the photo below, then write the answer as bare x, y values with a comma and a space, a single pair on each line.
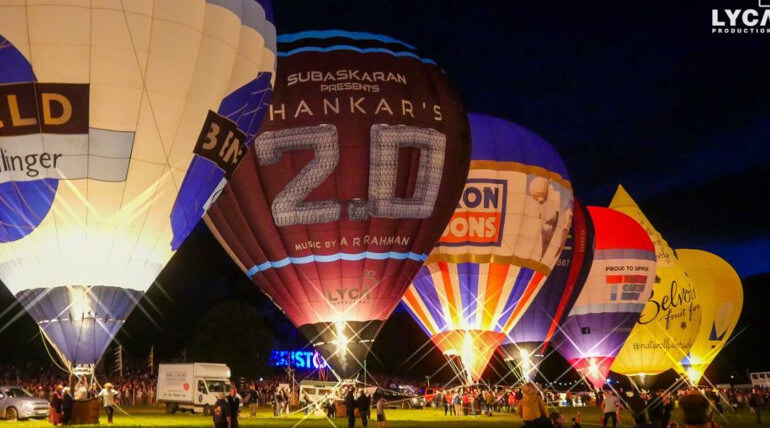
207, 410
11, 414
171, 408
406, 405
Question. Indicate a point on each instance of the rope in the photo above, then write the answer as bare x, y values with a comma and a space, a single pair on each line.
53, 360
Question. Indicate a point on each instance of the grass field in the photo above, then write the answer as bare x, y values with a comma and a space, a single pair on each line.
156, 417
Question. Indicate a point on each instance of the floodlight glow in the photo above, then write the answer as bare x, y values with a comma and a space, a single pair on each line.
694, 374
81, 305
342, 340
527, 365
593, 367
468, 354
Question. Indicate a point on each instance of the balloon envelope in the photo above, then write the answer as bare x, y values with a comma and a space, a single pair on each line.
500, 245
102, 109
615, 292
721, 295
357, 169
527, 342
671, 319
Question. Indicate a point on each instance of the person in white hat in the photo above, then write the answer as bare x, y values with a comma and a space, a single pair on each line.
108, 395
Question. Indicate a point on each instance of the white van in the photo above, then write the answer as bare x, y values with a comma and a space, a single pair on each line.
192, 387
320, 392
317, 391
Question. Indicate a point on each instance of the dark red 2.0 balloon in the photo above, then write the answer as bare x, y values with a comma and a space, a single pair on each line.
357, 169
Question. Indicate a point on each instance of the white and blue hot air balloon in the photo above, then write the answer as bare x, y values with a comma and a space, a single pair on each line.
118, 120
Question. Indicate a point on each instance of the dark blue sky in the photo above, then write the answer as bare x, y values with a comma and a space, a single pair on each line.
635, 93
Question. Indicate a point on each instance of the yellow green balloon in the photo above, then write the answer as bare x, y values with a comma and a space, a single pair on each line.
671, 319
721, 298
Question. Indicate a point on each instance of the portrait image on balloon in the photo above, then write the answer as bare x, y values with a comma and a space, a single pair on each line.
526, 345
104, 107
500, 245
356, 171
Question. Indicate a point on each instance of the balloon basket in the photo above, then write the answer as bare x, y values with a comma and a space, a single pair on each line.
85, 412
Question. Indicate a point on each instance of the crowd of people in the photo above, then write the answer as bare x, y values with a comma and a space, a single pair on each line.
648, 409
137, 388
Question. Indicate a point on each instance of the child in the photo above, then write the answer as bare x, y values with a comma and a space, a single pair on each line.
576, 421
381, 421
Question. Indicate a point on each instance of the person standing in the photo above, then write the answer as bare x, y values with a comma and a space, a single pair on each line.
440, 400
381, 421
489, 400
107, 394
610, 407
331, 408
55, 411
511, 402
234, 404
531, 407
253, 400
757, 402
458, 403
221, 412
350, 408
67, 402
656, 410
363, 404
307, 402
637, 404
139, 400
668, 407
286, 402
277, 403
81, 391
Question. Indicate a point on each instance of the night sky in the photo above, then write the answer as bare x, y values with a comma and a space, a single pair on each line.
633, 93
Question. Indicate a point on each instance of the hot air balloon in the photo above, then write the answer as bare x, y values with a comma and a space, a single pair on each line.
500, 245
356, 171
721, 297
615, 292
102, 106
671, 319
525, 346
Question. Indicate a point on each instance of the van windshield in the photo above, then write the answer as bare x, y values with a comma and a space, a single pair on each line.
216, 386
